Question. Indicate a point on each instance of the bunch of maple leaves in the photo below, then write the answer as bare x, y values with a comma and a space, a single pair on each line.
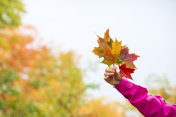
114, 53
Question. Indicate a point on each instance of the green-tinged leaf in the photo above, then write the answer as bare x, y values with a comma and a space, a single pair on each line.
98, 51
105, 61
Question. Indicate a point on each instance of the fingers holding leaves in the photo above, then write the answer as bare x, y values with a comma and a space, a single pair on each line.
108, 74
107, 79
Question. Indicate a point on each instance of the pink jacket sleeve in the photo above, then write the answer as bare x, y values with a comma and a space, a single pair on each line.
148, 105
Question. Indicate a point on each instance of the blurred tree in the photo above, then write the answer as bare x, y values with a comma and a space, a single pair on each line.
100, 108
36, 82
44, 84
160, 85
10, 13
12, 46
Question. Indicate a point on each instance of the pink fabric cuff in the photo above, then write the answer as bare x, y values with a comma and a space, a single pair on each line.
124, 85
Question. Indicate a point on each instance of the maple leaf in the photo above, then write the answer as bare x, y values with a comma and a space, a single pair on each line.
116, 48
113, 52
108, 55
125, 72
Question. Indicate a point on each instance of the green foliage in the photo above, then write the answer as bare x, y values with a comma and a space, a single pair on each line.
10, 13
34, 82
7, 78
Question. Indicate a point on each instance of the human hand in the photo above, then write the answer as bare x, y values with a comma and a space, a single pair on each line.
111, 76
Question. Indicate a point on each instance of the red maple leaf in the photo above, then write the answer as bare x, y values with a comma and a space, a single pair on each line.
125, 72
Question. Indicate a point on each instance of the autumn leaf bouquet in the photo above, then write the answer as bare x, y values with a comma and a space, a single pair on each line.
114, 53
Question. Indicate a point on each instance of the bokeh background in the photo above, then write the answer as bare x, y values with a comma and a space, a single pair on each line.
47, 67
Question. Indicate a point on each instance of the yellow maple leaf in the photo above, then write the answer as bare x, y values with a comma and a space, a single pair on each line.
116, 48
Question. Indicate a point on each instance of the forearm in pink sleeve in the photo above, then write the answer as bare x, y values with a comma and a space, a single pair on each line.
148, 105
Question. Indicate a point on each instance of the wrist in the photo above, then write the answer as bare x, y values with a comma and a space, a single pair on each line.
117, 83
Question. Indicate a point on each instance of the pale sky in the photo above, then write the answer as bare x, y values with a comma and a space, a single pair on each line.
147, 27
